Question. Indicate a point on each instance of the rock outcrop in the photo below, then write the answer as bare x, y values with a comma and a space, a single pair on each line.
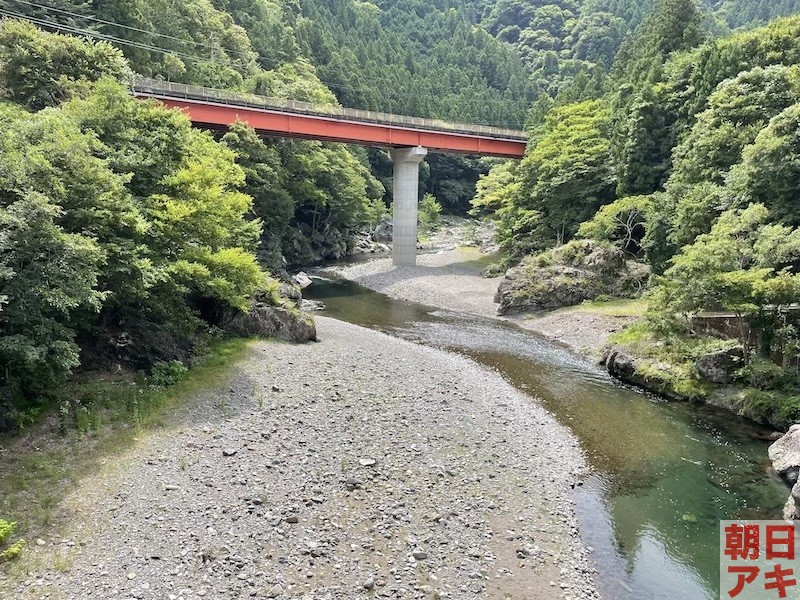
568, 275
384, 232
791, 510
626, 367
264, 320
720, 366
785, 455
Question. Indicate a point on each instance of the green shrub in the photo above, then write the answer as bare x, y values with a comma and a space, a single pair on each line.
771, 406
6, 531
429, 211
494, 270
165, 374
763, 374
12, 551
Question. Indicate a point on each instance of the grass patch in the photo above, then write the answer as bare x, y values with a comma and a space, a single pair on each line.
478, 259
670, 360
99, 416
627, 307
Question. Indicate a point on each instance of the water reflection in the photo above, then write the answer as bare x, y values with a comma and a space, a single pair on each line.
665, 473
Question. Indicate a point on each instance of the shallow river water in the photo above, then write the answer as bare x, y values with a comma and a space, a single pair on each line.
664, 473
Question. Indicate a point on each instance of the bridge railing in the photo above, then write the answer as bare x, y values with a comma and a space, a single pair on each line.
156, 88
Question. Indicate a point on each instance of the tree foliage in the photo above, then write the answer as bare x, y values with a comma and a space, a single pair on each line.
117, 219
740, 266
38, 71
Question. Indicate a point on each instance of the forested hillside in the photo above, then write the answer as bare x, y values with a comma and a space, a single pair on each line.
651, 123
687, 164
311, 196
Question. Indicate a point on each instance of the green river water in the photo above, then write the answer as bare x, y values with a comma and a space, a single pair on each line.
664, 473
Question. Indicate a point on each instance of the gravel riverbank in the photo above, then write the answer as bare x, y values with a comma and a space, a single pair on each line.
451, 279
362, 466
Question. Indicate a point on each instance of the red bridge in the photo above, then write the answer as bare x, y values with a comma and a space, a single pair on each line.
407, 138
217, 109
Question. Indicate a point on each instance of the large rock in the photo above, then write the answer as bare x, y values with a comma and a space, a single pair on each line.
263, 320
625, 367
791, 511
720, 366
384, 232
568, 275
785, 455
311, 305
302, 280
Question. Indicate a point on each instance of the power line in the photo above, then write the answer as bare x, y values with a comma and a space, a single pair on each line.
93, 34
158, 49
120, 25
141, 45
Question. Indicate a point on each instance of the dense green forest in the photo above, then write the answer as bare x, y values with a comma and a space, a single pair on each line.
129, 237
689, 164
666, 128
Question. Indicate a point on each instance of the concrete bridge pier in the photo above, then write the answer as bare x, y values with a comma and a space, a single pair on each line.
406, 195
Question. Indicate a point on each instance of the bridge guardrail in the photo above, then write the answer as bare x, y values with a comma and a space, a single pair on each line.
157, 87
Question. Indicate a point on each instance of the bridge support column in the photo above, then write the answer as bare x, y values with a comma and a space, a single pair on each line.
406, 195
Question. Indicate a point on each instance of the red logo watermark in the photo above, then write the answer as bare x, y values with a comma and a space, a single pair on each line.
757, 560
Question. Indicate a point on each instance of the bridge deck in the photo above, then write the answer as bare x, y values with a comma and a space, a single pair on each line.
276, 117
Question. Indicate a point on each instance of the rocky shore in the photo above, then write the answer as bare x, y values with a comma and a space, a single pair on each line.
462, 289
452, 279
361, 466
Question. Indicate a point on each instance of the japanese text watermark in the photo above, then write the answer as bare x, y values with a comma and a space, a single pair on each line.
758, 560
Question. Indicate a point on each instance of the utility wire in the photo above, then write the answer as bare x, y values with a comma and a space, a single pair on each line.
158, 49
95, 34
121, 26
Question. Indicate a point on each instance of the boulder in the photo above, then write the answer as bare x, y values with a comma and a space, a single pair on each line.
263, 320
384, 231
791, 511
720, 366
568, 275
620, 363
302, 280
785, 455
311, 305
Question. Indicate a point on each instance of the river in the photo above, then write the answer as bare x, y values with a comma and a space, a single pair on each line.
664, 473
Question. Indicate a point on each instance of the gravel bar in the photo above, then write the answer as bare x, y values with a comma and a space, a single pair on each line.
448, 279
451, 279
363, 466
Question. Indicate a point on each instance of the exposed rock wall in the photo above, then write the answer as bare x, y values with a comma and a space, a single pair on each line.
785, 457
568, 275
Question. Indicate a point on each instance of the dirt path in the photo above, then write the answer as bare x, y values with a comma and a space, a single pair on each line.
362, 466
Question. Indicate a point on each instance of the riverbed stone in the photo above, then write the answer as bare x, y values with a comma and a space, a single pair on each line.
430, 419
302, 279
311, 305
